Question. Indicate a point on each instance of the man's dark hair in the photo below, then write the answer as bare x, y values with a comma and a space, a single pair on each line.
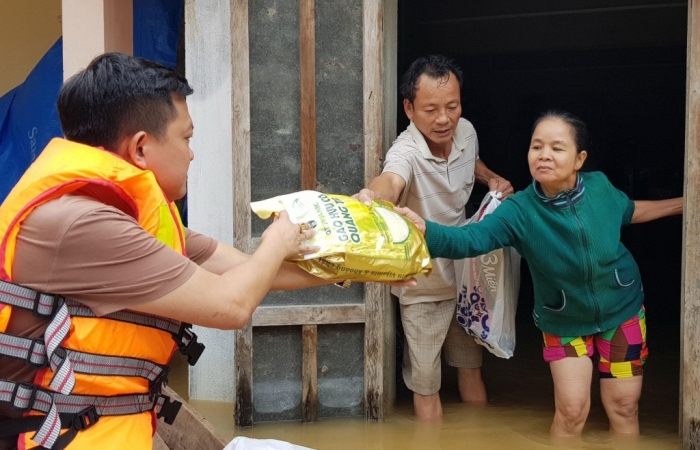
117, 96
435, 66
578, 128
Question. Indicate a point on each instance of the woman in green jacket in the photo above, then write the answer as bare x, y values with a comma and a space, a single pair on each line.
588, 293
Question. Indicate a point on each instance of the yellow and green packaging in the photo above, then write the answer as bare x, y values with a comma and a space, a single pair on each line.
358, 242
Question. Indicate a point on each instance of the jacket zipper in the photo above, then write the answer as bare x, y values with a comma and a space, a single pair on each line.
589, 275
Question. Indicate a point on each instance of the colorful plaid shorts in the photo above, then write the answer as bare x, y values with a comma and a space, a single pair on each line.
622, 351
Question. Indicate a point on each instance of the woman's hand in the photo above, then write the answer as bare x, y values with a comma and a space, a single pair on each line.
413, 217
290, 236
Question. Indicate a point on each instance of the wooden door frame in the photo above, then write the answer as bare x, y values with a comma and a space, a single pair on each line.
690, 302
380, 17
379, 123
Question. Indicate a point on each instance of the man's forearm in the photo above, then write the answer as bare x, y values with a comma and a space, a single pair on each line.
387, 186
482, 173
290, 277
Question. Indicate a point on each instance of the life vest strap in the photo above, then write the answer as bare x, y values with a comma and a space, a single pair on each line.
53, 308
73, 422
26, 397
60, 309
43, 305
33, 352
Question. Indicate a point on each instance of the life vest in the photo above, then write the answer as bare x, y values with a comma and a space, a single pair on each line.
100, 379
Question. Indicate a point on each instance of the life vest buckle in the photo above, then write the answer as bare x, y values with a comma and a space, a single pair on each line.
187, 342
156, 386
58, 300
85, 419
45, 361
32, 388
169, 409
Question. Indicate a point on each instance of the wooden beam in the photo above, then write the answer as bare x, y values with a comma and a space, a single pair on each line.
190, 431
244, 377
373, 123
159, 443
390, 81
690, 310
309, 374
307, 56
372, 86
267, 316
374, 353
240, 90
93, 27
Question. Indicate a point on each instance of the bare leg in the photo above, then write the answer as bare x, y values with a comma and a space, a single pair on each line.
620, 398
427, 407
471, 385
572, 395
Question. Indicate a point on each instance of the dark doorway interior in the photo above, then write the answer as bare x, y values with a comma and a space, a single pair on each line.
618, 64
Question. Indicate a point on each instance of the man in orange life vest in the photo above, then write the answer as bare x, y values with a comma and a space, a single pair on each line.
97, 274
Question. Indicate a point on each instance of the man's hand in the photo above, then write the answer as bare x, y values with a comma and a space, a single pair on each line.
486, 176
365, 196
413, 217
500, 184
290, 236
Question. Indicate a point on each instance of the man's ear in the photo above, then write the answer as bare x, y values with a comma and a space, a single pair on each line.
408, 108
132, 149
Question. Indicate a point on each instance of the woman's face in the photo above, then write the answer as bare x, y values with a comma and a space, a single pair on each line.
553, 157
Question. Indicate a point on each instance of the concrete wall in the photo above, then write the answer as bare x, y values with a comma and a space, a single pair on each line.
28, 28
210, 185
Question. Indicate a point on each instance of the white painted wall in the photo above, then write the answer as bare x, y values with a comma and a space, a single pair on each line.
92, 27
210, 186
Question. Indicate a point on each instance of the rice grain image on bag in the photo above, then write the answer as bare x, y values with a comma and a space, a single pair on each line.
358, 242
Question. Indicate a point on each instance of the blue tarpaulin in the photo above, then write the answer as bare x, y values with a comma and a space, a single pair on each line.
28, 116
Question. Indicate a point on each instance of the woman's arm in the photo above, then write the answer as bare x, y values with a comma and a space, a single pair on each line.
467, 241
648, 210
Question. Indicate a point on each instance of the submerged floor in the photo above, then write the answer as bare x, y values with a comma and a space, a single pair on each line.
518, 416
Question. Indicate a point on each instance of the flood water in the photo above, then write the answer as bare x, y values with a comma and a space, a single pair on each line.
518, 416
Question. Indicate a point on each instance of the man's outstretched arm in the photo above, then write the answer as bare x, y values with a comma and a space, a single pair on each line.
387, 186
495, 182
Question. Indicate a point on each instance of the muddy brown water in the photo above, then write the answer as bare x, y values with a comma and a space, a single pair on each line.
518, 416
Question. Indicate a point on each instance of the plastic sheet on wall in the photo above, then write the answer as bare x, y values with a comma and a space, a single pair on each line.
28, 116
157, 30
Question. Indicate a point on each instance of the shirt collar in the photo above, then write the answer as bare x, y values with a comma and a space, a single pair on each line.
561, 200
459, 142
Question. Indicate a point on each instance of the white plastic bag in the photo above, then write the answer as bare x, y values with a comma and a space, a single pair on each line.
244, 443
488, 296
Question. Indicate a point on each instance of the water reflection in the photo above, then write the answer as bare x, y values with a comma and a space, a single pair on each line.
518, 416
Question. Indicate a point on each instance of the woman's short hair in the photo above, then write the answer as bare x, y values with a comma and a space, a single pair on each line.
578, 127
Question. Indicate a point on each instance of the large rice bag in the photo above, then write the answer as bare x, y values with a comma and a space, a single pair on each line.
358, 242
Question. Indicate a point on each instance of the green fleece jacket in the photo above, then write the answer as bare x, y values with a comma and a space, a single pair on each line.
585, 280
